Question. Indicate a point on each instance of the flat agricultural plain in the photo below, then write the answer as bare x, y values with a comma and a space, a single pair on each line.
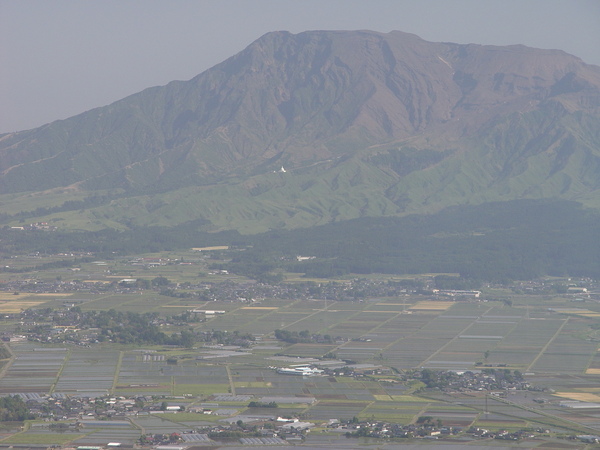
550, 346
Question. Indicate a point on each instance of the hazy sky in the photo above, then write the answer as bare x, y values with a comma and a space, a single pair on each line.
62, 57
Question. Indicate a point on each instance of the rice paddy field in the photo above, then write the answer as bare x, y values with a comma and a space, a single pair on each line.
34, 369
551, 346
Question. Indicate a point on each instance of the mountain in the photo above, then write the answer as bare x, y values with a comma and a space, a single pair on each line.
321, 126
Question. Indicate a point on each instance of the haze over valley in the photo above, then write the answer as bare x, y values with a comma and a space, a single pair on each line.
329, 239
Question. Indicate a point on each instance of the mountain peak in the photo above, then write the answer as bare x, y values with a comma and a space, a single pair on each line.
389, 105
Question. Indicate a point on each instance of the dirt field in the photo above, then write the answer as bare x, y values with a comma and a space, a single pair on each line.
15, 307
580, 396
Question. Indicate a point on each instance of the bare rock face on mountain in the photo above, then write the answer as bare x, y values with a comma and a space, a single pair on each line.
364, 123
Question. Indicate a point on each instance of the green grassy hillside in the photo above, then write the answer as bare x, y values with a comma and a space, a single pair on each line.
365, 124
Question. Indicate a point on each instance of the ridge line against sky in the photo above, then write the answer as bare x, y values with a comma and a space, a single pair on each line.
63, 57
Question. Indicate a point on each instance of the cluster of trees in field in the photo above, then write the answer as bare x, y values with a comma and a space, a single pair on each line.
13, 408
140, 328
256, 404
133, 328
4, 352
441, 379
294, 337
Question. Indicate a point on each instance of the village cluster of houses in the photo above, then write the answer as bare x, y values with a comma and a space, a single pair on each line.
498, 381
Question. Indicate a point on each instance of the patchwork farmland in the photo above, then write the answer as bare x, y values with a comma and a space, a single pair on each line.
384, 337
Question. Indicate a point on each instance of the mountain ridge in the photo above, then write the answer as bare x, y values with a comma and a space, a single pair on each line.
365, 123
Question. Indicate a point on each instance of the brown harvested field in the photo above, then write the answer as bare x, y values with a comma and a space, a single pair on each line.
17, 306
12, 296
501, 423
52, 295
453, 421
580, 396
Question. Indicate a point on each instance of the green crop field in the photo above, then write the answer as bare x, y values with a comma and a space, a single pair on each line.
377, 333
41, 438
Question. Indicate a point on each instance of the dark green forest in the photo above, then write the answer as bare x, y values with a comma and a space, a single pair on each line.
516, 240
110, 242
13, 408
